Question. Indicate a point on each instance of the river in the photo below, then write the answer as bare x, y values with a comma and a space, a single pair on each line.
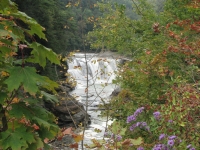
100, 71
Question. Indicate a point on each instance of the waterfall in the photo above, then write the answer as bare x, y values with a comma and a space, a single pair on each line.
101, 70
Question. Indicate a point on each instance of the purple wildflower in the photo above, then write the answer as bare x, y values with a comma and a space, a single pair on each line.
112, 136
140, 148
172, 137
170, 143
189, 146
139, 124
156, 115
131, 118
138, 111
161, 136
118, 137
147, 128
160, 147
134, 116
131, 128
144, 124
170, 121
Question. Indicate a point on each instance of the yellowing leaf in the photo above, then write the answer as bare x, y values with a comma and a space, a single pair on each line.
15, 100
4, 74
68, 5
182, 124
77, 138
137, 141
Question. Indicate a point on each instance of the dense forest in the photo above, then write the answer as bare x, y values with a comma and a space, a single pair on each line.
158, 106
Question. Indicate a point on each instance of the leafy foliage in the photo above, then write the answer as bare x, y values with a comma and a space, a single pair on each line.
25, 123
163, 74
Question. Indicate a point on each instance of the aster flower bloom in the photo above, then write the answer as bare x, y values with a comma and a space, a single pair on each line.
138, 111
160, 147
147, 128
140, 148
134, 116
170, 121
112, 136
170, 143
131, 118
141, 125
118, 137
161, 136
131, 128
189, 146
144, 124
172, 137
156, 115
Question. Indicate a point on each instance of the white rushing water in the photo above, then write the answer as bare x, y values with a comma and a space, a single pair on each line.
101, 72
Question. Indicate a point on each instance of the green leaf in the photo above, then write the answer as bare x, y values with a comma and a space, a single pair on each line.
41, 53
27, 136
46, 133
31, 100
19, 110
41, 122
35, 28
48, 84
28, 78
137, 141
117, 128
38, 144
25, 76
4, 4
2, 97
49, 97
17, 137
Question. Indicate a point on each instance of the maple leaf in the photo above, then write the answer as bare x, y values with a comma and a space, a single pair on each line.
41, 53
19, 138
49, 97
27, 77
35, 28
42, 122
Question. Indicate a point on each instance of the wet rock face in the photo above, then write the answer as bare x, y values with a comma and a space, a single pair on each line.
69, 111
115, 92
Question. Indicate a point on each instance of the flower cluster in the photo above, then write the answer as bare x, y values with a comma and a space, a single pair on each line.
168, 143
140, 148
134, 116
190, 147
157, 115
141, 125
160, 147
113, 136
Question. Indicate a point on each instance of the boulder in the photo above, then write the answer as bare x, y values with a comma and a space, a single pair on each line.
115, 92
69, 111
